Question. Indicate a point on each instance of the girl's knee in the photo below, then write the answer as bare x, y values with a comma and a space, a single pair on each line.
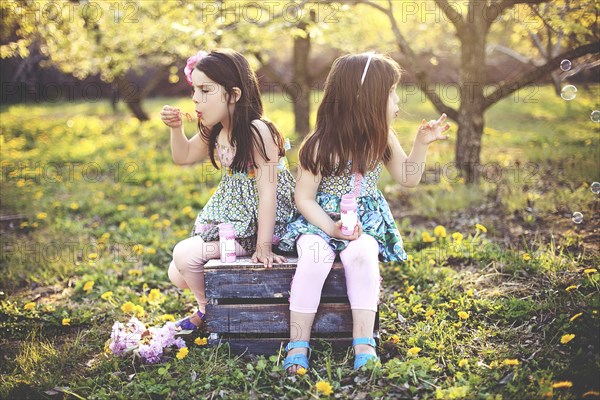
189, 255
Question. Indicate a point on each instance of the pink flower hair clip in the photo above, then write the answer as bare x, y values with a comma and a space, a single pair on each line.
191, 63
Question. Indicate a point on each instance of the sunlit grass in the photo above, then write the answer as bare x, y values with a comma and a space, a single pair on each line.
474, 313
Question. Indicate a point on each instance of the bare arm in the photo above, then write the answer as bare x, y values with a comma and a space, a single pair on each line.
183, 150
305, 198
407, 170
266, 185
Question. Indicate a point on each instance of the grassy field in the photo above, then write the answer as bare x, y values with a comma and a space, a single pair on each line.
499, 298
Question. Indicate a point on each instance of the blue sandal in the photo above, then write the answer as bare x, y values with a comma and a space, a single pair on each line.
361, 359
186, 323
297, 359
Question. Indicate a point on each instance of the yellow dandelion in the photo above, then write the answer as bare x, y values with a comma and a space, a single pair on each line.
567, 338
29, 306
562, 384
166, 222
123, 225
122, 207
66, 321
182, 353
429, 314
138, 249
413, 351
395, 339
427, 238
154, 217
572, 287
463, 314
463, 363
128, 307
324, 387
106, 295
431, 262
574, 317
155, 295
526, 257
139, 311
150, 250
74, 206
481, 228
134, 272
167, 317
301, 371
439, 231
93, 256
457, 236
143, 299
590, 271
512, 361
42, 215
88, 286
201, 341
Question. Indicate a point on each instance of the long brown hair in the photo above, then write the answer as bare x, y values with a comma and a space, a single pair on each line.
230, 69
352, 119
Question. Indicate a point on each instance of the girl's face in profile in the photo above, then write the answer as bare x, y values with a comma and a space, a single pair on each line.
209, 99
392, 106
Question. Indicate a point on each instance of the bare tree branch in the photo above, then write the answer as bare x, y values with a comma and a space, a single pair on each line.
502, 5
453, 15
411, 58
508, 87
270, 71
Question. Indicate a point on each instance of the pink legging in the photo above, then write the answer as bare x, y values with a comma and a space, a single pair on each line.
187, 268
315, 258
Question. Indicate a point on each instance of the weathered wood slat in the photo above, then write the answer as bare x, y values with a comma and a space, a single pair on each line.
274, 319
246, 280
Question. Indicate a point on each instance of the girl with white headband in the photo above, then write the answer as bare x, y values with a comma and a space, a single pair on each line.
344, 155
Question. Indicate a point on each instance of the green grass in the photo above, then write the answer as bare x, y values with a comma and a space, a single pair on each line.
101, 201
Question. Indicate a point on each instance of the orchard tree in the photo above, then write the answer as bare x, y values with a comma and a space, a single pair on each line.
472, 21
118, 40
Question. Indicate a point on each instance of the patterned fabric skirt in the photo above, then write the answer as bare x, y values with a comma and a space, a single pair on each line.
376, 219
235, 201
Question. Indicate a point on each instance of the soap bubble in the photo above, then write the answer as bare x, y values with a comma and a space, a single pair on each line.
595, 116
569, 92
577, 217
595, 188
565, 65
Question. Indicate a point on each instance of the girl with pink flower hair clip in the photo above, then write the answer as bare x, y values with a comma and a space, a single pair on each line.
256, 184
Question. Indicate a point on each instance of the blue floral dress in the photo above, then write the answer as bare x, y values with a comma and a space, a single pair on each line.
236, 201
373, 212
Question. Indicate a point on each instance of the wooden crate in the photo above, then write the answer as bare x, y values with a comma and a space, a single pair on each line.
249, 306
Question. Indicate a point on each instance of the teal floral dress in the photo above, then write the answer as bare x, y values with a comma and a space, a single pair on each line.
235, 201
373, 212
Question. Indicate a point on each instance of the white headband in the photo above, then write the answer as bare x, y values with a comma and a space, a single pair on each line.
364, 75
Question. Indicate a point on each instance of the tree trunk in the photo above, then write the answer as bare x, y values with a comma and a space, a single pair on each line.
472, 105
299, 89
129, 90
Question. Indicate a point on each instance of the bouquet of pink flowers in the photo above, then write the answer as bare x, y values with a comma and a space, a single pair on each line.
148, 343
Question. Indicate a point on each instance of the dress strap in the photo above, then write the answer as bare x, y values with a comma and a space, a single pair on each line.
357, 179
